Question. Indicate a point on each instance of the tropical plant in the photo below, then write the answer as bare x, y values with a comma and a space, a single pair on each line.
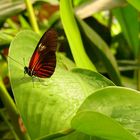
93, 93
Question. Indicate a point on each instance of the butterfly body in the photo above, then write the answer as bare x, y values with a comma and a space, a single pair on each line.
43, 61
29, 71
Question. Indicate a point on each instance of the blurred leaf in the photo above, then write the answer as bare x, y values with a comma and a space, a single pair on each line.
4, 67
78, 2
24, 23
102, 50
130, 26
53, 2
118, 103
135, 3
53, 19
99, 28
6, 129
49, 104
5, 38
123, 50
12, 24
129, 82
11, 109
9, 8
91, 7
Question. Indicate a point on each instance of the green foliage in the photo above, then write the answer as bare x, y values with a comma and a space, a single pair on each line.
5, 37
7, 131
48, 104
135, 3
104, 51
118, 105
73, 35
126, 21
75, 103
97, 124
12, 7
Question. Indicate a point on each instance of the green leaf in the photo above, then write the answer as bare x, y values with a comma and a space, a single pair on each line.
103, 51
5, 38
73, 36
130, 26
119, 103
48, 105
24, 23
65, 62
97, 124
135, 3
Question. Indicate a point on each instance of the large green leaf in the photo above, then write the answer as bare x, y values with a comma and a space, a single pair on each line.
48, 105
130, 26
120, 105
97, 124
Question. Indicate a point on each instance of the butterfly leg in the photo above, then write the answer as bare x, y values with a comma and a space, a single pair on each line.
41, 82
33, 80
23, 77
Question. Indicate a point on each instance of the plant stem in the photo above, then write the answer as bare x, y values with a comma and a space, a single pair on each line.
32, 16
73, 36
11, 109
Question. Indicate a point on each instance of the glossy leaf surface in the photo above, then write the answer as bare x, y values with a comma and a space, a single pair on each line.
121, 109
48, 105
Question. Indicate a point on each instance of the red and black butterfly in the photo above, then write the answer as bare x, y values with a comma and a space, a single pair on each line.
43, 61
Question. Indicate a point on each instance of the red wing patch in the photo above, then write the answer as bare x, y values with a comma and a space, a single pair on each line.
46, 66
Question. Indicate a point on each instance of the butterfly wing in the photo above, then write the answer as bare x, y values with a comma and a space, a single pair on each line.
43, 60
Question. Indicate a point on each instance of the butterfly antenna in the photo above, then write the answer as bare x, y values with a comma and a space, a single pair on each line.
24, 61
15, 60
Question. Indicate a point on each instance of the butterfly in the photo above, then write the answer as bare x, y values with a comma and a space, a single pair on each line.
43, 61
